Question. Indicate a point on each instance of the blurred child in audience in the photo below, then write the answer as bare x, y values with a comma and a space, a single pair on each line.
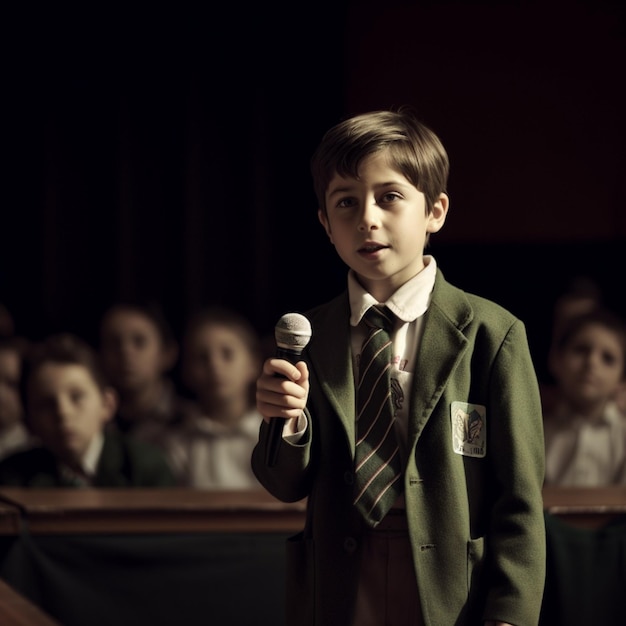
581, 295
14, 435
68, 402
221, 360
585, 432
139, 352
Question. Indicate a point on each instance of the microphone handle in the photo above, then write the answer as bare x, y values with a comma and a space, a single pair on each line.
276, 423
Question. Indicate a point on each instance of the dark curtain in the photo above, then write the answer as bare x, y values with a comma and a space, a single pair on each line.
163, 154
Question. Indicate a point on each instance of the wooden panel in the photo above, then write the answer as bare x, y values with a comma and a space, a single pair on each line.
587, 507
152, 510
191, 510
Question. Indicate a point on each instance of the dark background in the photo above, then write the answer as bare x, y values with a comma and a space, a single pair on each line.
163, 153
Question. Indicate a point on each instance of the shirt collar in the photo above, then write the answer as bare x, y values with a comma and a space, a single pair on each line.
408, 302
92, 455
611, 416
88, 465
247, 425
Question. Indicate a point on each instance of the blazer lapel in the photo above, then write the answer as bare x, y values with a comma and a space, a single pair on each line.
329, 352
442, 347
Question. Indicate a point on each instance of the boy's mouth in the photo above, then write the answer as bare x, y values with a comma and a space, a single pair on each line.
368, 248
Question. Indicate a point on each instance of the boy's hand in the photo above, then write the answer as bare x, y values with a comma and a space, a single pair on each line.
282, 389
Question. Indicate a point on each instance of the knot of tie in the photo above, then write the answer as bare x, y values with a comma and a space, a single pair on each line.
380, 317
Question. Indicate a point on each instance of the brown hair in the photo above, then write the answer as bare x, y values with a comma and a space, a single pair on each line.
229, 318
150, 310
65, 349
414, 150
597, 317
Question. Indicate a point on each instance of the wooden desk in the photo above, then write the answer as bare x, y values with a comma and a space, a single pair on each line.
585, 556
149, 557
154, 557
71, 511
585, 507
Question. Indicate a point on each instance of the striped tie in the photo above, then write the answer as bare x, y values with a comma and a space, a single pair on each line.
377, 458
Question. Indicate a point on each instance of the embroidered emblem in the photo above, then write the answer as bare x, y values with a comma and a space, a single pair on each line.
469, 435
397, 395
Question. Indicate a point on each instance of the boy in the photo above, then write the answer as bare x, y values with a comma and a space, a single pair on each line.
464, 543
221, 360
139, 351
67, 404
585, 432
14, 435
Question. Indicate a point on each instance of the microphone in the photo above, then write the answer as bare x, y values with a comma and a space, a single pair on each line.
292, 333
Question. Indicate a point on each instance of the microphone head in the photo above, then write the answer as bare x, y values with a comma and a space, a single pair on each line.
292, 332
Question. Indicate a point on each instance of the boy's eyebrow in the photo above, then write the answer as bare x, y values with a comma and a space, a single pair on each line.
333, 190
347, 188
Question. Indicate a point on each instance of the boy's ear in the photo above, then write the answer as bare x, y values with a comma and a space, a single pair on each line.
438, 215
323, 218
111, 402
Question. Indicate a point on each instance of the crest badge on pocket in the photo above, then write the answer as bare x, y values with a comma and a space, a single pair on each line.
469, 429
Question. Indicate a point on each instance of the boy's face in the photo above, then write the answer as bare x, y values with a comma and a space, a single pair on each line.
218, 365
589, 368
132, 351
66, 408
378, 224
10, 403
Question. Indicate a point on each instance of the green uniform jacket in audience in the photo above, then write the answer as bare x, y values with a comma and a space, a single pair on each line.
124, 462
475, 520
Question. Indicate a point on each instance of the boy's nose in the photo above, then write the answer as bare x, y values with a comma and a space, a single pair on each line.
369, 217
62, 409
592, 361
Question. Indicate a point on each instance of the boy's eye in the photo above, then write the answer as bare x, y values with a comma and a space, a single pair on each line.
391, 196
345, 203
139, 341
77, 396
608, 358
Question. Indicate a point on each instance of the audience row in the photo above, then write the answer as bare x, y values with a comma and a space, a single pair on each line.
112, 415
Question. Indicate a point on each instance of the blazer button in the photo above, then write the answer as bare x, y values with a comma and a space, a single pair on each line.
349, 544
348, 477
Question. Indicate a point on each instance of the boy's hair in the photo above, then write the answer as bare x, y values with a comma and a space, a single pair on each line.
15, 343
229, 318
414, 150
150, 310
63, 349
600, 317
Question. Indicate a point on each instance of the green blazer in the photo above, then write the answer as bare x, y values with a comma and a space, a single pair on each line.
124, 462
475, 519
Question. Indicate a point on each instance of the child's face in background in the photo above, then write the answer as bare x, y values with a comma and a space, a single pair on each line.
218, 364
132, 350
66, 408
590, 366
378, 224
10, 402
